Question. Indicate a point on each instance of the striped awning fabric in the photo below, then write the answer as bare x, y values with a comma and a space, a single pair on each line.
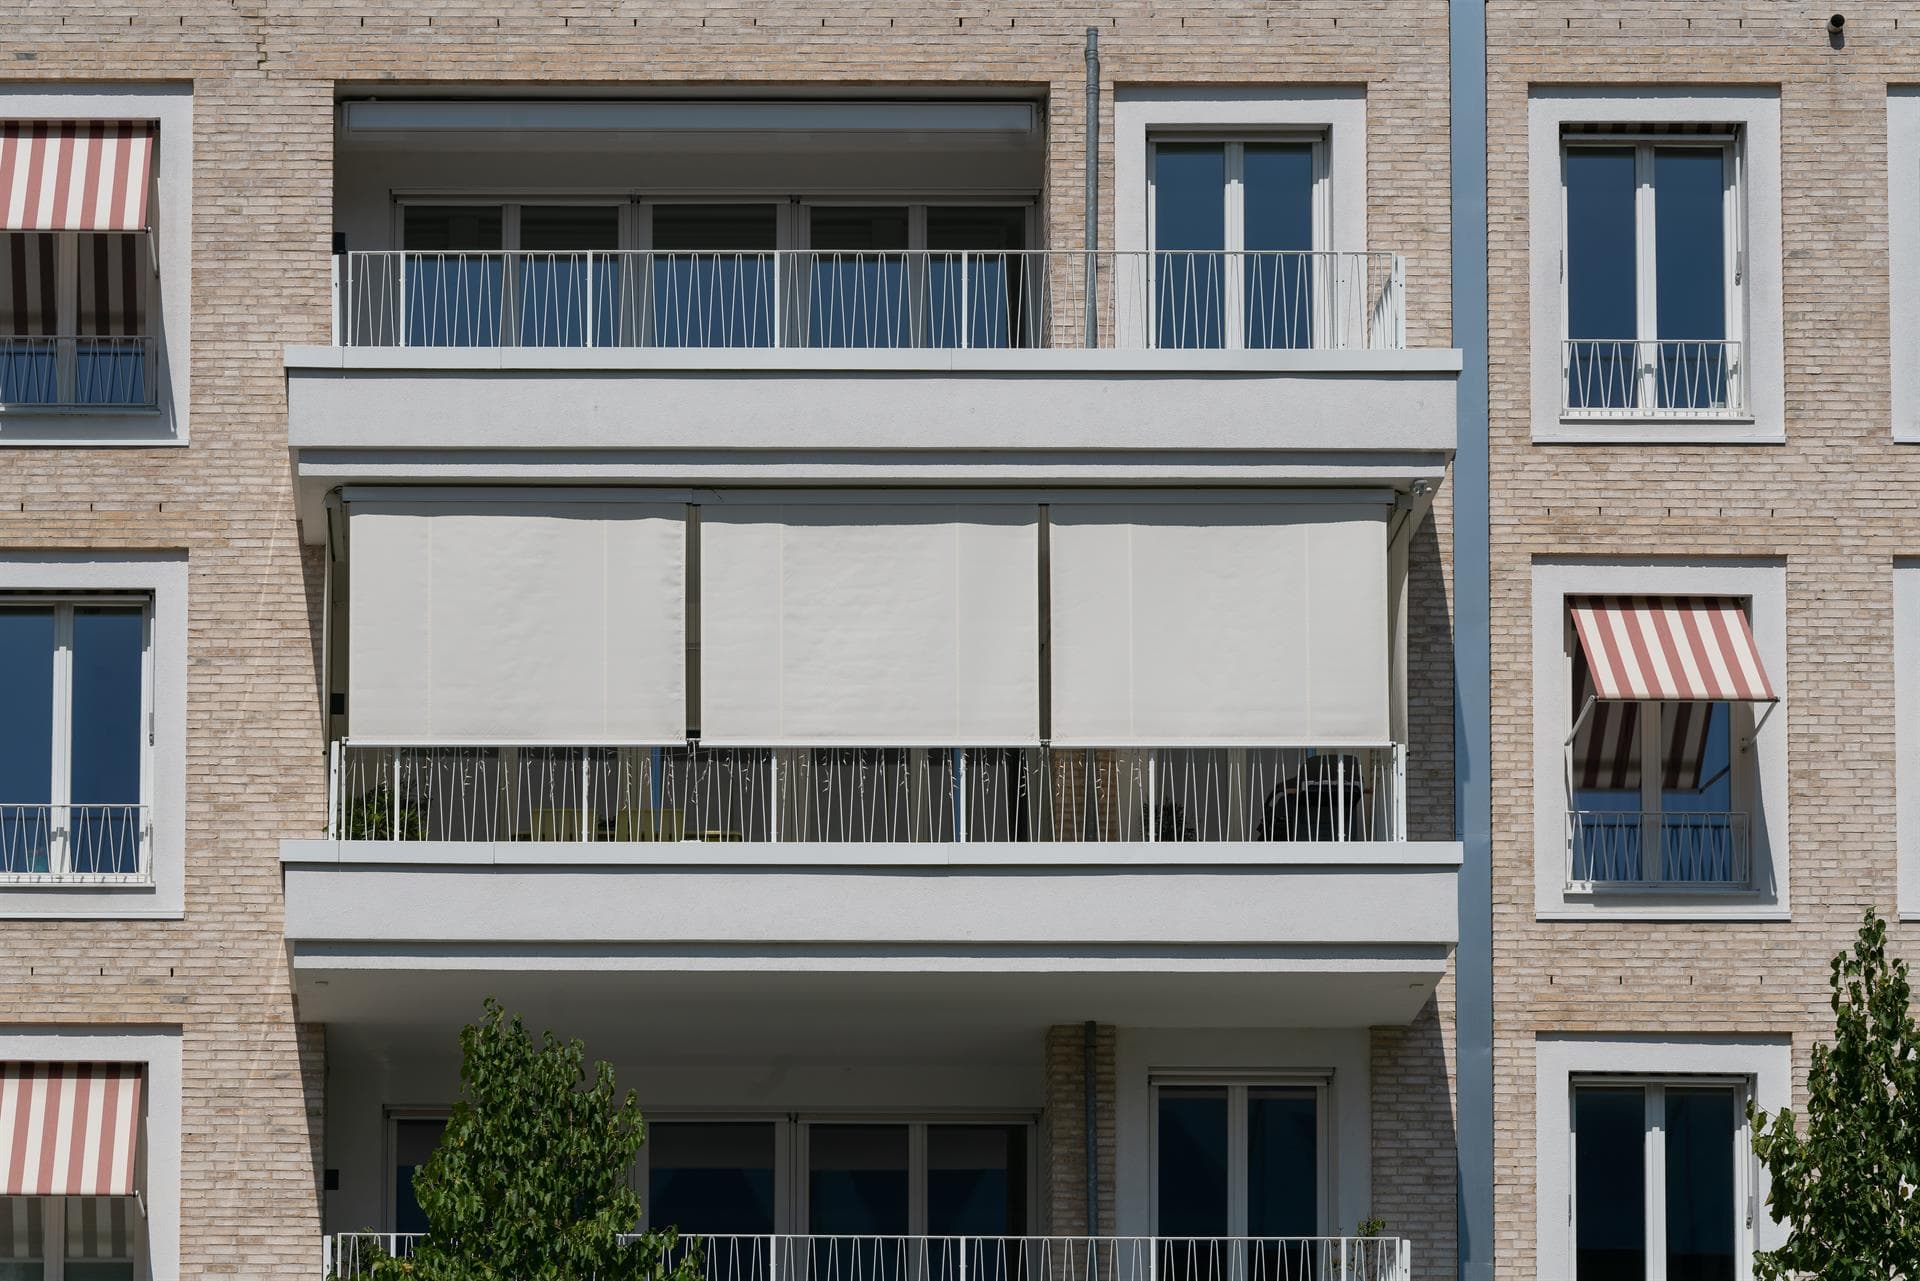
74, 175
68, 1129
1670, 649
1606, 751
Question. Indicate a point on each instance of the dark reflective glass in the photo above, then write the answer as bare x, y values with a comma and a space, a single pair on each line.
857, 292
454, 299
1602, 294
26, 748
1279, 280
1191, 1162
109, 648
711, 1177
1189, 233
857, 1179
977, 282
1610, 1184
712, 277
414, 1140
1690, 271
1700, 1184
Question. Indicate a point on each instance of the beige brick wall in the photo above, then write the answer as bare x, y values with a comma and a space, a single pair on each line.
264, 77
1834, 502
1413, 1114
1063, 1130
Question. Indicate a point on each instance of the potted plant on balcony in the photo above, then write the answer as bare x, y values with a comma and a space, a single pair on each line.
375, 816
530, 1181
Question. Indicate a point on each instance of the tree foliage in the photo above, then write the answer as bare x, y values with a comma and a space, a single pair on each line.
1846, 1187
530, 1181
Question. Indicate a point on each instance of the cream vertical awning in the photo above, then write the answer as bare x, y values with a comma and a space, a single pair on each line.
1219, 621
526, 619
890, 623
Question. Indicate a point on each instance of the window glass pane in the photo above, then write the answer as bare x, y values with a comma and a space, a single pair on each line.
1602, 297
1191, 1162
453, 300
452, 227
708, 1177
1690, 271
414, 1139
100, 1238
569, 228
26, 749
1283, 1163
1701, 839
1189, 231
1700, 1184
23, 1243
977, 1180
857, 290
1604, 827
712, 277
857, 1179
1609, 1178
983, 299
110, 354
109, 664
553, 278
29, 317
1278, 181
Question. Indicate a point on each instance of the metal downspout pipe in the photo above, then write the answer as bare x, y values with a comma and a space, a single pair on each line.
1092, 166
1091, 1082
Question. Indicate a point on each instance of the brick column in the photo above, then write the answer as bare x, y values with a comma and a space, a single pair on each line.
1063, 1129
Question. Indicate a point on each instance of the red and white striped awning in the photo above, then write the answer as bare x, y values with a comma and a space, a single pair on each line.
1696, 649
68, 1129
74, 175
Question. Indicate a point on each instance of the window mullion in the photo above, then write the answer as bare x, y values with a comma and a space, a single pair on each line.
1238, 1154
1646, 275
917, 1179
1656, 1183
1233, 263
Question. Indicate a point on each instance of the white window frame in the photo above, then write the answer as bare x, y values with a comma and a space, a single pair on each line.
1742, 776
1237, 1084
159, 580
1903, 258
1234, 233
1762, 583
510, 207
1646, 262
1753, 114
169, 319
1653, 1146
61, 789
1562, 1061
1906, 711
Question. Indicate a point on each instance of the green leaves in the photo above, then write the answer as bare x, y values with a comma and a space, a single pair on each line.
1846, 1188
530, 1181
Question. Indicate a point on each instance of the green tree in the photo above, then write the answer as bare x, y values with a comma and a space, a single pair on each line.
530, 1181
1846, 1188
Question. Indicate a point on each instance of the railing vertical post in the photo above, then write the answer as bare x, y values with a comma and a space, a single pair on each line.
1399, 792
400, 298
334, 294
393, 796
773, 1258
965, 315
1153, 796
773, 794
1398, 312
586, 803
586, 301
333, 790
960, 796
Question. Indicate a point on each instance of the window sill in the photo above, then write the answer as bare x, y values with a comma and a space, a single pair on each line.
1622, 429
47, 881
87, 425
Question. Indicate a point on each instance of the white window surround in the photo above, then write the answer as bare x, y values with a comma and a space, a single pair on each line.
158, 1050
1906, 721
1143, 113
163, 577
1337, 1058
1764, 584
1903, 261
1756, 111
1560, 1059
171, 107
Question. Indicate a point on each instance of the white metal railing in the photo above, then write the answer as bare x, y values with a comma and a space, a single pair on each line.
347, 1256
1631, 849
77, 371
1652, 378
75, 844
543, 792
820, 299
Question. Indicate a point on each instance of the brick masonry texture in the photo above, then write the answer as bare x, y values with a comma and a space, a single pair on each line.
1834, 503
264, 78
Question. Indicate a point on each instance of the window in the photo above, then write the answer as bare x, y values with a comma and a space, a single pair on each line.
411, 1140
1660, 1185
462, 291
1653, 274
1239, 1160
712, 1177
74, 761
1233, 224
1658, 761
68, 1238
74, 325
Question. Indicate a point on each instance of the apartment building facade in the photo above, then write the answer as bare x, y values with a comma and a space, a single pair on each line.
733, 533
1701, 606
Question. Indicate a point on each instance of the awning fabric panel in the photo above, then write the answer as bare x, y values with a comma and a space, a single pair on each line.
1606, 751
514, 621
1670, 648
1226, 623
869, 623
74, 175
69, 1129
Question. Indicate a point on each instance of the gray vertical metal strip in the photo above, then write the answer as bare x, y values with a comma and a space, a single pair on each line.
1472, 639
1090, 1082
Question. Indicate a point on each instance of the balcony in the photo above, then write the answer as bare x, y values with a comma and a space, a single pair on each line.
989, 301
974, 1258
77, 372
65, 845
1636, 850
650, 794
1652, 379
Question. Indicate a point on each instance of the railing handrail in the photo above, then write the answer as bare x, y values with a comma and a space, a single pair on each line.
1116, 1237
1652, 377
62, 834
1636, 826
